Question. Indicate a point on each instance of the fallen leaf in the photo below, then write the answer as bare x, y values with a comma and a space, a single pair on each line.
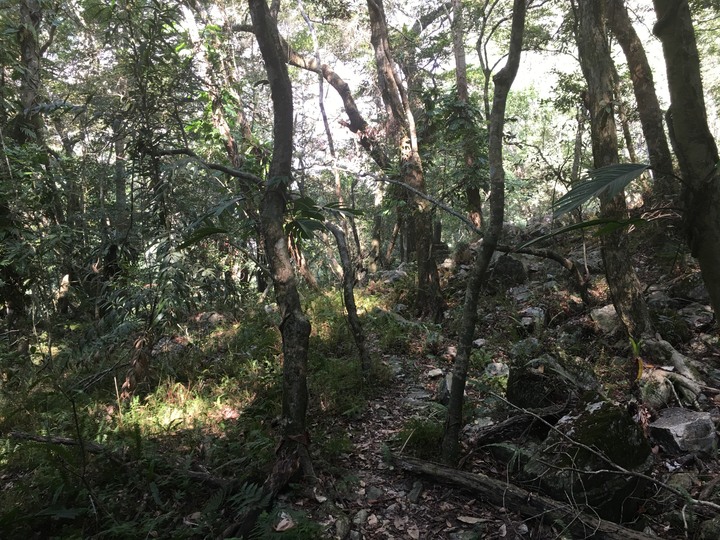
286, 523
469, 520
502, 531
413, 532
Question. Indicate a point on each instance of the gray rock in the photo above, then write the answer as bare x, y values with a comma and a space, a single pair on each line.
697, 315
682, 430
699, 294
442, 394
533, 318
606, 318
479, 342
710, 530
415, 492
435, 373
373, 493
508, 272
342, 526
526, 348
557, 466
497, 369
361, 517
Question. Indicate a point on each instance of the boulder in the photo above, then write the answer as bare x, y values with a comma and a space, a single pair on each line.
568, 471
548, 380
507, 272
680, 430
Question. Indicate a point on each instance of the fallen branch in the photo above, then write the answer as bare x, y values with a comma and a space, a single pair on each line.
528, 504
90, 447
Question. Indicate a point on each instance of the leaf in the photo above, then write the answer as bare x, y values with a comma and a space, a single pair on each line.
200, 234
609, 180
605, 226
469, 520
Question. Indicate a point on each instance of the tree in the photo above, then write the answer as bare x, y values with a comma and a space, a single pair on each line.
597, 67
294, 326
502, 83
651, 119
692, 140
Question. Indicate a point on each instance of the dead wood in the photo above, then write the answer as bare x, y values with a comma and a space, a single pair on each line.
530, 505
91, 447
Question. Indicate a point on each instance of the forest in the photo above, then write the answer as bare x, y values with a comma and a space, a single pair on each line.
359, 269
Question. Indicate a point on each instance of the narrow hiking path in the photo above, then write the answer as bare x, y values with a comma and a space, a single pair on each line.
373, 500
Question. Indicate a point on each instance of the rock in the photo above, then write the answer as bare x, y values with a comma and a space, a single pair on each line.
373, 494
606, 318
681, 430
532, 318
415, 492
547, 380
342, 526
710, 530
417, 397
526, 348
442, 393
167, 345
435, 373
698, 316
497, 369
399, 308
520, 294
508, 272
699, 294
557, 466
658, 298
514, 456
361, 517
479, 342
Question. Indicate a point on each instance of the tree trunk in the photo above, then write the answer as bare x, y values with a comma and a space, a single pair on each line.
692, 140
597, 68
503, 81
349, 297
651, 118
472, 191
428, 300
295, 327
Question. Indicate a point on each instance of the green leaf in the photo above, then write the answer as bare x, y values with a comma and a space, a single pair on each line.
609, 180
201, 234
604, 225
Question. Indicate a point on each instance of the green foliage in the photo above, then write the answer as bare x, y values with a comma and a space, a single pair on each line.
422, 437
606, 181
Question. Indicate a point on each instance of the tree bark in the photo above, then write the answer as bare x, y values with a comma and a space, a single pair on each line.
348, 284
502, 81
294, 326
692, 140
472, 191
428, 300
597, 67
651, 118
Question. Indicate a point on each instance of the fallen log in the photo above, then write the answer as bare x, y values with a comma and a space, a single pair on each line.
528, 504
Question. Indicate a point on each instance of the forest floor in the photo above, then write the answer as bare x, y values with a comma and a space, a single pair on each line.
185, 454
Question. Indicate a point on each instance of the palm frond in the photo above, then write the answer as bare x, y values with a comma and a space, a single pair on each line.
611, 179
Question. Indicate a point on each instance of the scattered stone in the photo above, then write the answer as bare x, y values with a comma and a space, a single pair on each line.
435, 373
442, 393
526, 348
606, 318
417, 397
399, 308
508, 272
698, 316
361, 517
497, 369
342, 526
681, 430
532, 318
373, 493
479, 342
699, 294
521, 294
548, 380
355, 535
170, 345
658, 298
415, 492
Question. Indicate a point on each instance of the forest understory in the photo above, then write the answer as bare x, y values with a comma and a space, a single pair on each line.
183, 454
